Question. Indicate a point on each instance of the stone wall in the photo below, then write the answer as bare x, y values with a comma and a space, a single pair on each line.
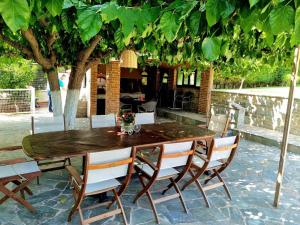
262, 111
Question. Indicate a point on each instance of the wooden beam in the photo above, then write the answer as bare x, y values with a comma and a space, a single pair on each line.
287, 126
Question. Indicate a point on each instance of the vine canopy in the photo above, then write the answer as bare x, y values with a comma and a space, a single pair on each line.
180, 31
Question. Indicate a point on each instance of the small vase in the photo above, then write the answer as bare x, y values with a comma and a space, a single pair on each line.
127, 128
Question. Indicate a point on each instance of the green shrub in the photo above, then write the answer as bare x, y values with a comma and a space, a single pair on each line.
16, 72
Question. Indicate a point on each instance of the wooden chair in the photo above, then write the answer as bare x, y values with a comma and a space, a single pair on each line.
218, 124
20, 173
49, 124
219, 157
100, 173
170, 156
98, 121
148, 107
144, 118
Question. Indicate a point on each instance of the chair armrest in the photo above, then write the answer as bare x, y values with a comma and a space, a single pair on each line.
147, 161
74, 173
12, 161
11, 148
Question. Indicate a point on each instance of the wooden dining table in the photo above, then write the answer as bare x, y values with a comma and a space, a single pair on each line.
74, 143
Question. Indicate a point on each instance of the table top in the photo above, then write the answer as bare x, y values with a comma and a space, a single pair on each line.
79, 142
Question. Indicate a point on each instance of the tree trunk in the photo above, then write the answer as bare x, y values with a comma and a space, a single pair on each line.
55, 92
76, 78
242, 83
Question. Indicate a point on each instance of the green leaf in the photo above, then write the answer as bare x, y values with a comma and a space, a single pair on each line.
89, 22
127, 18
54, 6
281, 19
15, 13
297, 26
118, 36
248, 20
169, 25
216, 9
211, 48
109, 11
253, 2
66, 22
193, 22
212, 12
68, 4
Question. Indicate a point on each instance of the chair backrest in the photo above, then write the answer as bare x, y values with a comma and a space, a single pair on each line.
47, 124
107, 165
150, 106
98, 121
219, 124
223, 148
176, 154
144, 118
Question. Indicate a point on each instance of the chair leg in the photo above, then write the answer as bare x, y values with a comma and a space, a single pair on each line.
203, 193
13, 195
142, 192
224, 185
120, 206
193, 179
81, 216
75, 207
29, 192
38, 178
213, 175
180, 195
149, 197
198, 184
20, 187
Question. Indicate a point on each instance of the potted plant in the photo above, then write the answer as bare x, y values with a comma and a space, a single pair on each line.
127, 122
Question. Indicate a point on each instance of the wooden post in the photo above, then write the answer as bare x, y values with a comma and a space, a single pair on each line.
287, 126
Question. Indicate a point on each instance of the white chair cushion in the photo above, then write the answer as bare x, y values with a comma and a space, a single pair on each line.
102, 185
162, 173
18, 169
200, 162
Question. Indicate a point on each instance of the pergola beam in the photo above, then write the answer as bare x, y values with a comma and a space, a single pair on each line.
287, 126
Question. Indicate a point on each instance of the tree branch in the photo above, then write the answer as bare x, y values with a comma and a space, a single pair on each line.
44, 62
50, 41
89, 63
85, 53
16, 45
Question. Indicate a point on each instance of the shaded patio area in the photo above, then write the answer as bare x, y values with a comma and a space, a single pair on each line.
251, 180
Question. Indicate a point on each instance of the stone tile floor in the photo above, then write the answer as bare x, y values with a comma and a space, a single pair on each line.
250, 179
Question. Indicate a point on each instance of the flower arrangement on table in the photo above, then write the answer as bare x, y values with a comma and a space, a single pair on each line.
127, 122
